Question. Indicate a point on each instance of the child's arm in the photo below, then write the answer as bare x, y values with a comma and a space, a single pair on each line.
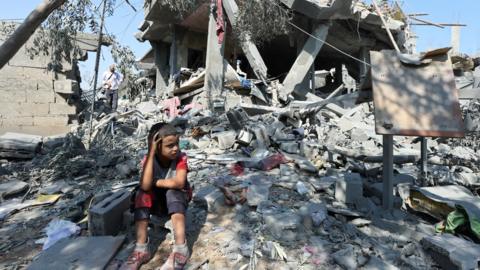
147, 174
177, 182
180, 178
146, 181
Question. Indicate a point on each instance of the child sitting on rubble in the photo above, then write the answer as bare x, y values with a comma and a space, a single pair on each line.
164, 189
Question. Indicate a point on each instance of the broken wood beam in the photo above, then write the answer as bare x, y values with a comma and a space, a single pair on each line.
248, 47
303, 63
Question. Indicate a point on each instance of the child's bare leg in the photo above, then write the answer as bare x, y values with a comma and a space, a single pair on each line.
142, 231
178, 220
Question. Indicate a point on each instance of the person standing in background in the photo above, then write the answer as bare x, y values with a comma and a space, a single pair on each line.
111, 81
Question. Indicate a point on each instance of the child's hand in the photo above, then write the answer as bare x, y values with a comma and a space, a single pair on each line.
157, 140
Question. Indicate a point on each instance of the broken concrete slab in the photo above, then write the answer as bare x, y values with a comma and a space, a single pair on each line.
258, 190
212, 197
82, 253
17, 145
12, 187
452, 252
225, 139
283, 225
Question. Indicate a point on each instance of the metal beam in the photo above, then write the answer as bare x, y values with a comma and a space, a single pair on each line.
387, 172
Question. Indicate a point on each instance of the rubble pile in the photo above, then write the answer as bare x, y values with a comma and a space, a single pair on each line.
269, 188
285, 176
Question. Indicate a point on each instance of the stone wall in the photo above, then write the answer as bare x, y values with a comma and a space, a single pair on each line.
34, 100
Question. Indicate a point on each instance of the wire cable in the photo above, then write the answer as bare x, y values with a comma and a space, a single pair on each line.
330, 45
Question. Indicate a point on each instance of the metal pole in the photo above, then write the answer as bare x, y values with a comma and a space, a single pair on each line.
97, 62
423, 151
387, 172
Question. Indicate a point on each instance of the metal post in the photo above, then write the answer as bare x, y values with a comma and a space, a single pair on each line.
424, 160
97, 62
387, 171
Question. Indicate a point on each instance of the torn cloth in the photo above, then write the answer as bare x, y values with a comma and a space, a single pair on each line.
217, 6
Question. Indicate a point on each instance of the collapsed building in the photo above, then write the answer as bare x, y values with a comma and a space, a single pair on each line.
294, 166
328, 35
35, 98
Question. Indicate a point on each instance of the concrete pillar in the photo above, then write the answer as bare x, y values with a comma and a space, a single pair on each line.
248, 47
455, 39
160, 53
303, 63
173, 54
214, 70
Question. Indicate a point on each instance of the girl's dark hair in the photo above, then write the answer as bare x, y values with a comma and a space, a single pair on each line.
163, 129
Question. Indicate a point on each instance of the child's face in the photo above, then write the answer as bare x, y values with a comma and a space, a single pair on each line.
168, 148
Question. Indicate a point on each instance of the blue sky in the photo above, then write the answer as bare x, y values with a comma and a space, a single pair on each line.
125, 21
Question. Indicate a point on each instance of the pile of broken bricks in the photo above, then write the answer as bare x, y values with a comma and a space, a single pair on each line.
270, 190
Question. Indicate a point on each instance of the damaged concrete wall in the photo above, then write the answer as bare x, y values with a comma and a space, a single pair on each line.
34, 100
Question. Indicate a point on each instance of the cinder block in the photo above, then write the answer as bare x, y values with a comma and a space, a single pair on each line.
12, 95
66, 86
17, 121
23, 109
40, 96
62, 108
106, 217
349, 189
50, 120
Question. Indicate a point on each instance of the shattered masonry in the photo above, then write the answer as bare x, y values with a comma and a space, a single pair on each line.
285, 151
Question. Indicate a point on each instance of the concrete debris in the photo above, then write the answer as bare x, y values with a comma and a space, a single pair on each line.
452, 252
287, 172
68, 252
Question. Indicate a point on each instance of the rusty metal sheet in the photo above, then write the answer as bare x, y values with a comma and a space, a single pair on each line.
415, 100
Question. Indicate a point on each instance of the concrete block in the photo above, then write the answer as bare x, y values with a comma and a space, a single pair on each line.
452, 252
283, 226
13, 95
17, 121
261, 136
225, 139
213, 198
290, 147
62, 108
66, 86
37, 130
22, 109
106, 216
349, 189
40, 96
50, 120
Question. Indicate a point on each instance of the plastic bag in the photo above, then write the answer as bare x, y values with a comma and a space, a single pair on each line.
58, 229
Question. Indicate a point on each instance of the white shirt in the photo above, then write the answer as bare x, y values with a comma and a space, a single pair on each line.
114, 80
